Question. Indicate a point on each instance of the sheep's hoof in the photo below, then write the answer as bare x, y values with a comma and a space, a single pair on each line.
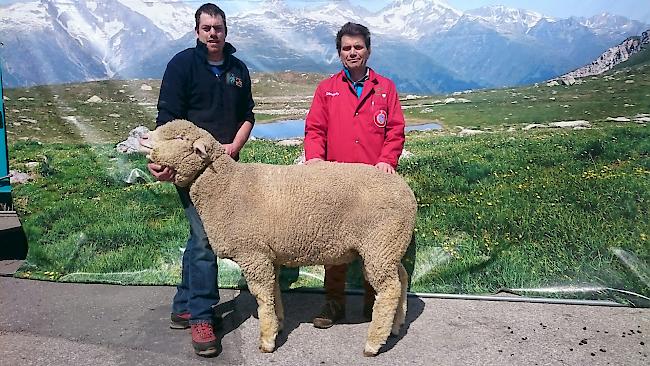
370, 351
369, 354
267, 348
395, 331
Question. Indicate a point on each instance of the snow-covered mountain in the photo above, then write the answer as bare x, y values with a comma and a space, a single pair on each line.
506, 20
413, 19
175, 18
424, 45
608, 24
52, 41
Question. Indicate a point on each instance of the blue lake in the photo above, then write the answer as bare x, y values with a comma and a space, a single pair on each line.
295, 128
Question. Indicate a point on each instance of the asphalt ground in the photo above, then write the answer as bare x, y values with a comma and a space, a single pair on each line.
48, 323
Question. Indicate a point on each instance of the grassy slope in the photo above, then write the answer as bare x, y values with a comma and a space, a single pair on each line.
44, 112
508, 209
595, 99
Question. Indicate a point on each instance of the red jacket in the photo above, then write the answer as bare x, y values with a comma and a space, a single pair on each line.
341, 127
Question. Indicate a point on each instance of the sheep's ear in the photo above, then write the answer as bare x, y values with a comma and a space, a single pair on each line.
201, 149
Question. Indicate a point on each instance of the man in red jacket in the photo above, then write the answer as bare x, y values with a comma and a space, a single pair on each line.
355, 117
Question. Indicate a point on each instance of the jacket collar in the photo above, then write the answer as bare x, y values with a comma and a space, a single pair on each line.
228, 50
368, 86
372, 76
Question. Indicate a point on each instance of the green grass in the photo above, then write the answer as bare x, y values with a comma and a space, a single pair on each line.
545, 209
496, 211
540, 210
82, 217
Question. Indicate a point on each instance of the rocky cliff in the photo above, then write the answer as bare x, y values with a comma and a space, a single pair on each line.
612, 57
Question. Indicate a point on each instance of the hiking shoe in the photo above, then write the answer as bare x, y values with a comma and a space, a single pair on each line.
331, 313
203, 339
182, 321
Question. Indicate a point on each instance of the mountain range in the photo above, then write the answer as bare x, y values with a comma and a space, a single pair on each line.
423, 45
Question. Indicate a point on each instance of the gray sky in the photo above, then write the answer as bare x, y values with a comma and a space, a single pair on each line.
634, 9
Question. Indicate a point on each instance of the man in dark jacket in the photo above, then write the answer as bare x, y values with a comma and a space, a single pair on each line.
210, 87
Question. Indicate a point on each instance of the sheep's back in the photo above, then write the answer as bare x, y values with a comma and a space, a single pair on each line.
324, 210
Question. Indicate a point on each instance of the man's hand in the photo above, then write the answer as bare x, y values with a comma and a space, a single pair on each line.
385, 167
161, 173
240, 139
313, 160
232, 149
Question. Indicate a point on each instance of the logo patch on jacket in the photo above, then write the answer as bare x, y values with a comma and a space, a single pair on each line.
331, 94
380, 118
233, 80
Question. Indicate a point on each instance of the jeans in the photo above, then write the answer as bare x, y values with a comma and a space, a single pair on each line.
197, 293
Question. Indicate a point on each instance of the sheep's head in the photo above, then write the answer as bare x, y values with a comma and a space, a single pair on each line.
182, 146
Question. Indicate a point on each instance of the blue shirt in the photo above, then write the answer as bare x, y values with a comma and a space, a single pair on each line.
357, 85
216, 67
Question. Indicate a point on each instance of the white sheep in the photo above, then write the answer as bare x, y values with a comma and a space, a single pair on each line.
263, 216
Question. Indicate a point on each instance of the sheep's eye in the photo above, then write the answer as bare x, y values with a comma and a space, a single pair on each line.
179, 137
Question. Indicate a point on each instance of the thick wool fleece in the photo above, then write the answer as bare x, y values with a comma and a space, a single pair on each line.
262, 216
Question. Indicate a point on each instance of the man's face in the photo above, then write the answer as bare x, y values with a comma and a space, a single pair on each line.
354, 53
212, 32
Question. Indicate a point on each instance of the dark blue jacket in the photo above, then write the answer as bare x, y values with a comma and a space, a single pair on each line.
190, 90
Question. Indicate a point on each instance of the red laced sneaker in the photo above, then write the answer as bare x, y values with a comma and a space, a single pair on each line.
203, 339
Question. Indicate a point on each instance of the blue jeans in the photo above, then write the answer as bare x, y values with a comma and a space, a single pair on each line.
197, 293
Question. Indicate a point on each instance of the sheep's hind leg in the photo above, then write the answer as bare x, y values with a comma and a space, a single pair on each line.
400, 314
279, 309
384, 310
260, 276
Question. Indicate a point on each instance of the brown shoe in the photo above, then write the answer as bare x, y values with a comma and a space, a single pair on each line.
331, 313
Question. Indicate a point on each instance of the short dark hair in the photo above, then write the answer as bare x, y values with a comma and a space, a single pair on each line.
352, 29
212, 10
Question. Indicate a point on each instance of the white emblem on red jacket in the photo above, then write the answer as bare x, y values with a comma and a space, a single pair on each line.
331, 94
380, 118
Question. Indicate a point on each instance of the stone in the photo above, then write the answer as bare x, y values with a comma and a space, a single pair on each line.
570, 124
132, 144
289, 142
618, 119
533, 125
16, 177
469, 132
405, 155
568, 80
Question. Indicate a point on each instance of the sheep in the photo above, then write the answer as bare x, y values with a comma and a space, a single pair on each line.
263, 216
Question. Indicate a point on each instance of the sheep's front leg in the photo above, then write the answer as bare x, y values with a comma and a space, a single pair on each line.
260, 276
279, 309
